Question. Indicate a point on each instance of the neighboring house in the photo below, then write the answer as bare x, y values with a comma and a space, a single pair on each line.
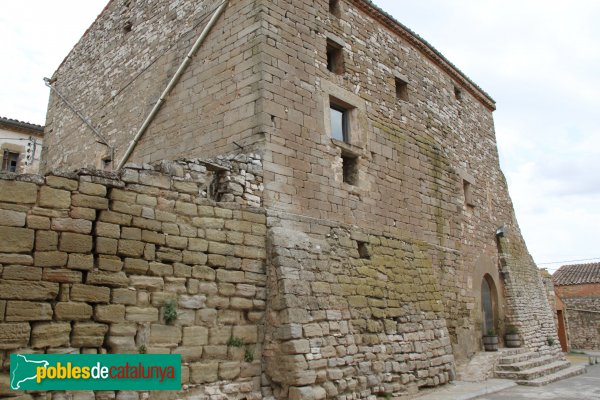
392, 240
560, 316
20, 146
578, 286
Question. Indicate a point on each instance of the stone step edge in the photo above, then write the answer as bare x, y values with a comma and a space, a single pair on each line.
517, 358
530, 355
557, 376
534, 373
528, 364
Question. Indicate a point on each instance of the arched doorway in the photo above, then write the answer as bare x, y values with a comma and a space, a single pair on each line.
489, 302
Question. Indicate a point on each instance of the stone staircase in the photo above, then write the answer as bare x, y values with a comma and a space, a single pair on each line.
535, 368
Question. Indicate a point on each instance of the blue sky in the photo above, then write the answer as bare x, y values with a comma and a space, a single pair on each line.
539, 60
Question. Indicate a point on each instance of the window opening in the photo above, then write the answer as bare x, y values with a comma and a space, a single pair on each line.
339, 123
457, 93
350, 169
10, 161
334, 8
363, 250
468, 192
401, 89
335, 58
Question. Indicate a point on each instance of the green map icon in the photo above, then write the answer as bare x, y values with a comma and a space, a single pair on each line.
24, 370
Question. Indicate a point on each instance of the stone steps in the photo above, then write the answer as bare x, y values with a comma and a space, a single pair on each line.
535, 368
562, 374
517, 358
529, 363
534, 373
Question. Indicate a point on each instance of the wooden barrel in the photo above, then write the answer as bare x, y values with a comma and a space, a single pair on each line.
490, 343
512, 340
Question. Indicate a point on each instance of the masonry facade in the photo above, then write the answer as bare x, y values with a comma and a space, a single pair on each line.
20, 146
388, 222
578, 286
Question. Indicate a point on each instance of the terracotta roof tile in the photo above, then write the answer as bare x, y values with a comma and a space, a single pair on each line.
577, 274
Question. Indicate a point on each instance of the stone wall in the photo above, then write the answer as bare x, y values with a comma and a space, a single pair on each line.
429, 194
583, 315
414, 156
89, 261
353, 313
119, 68
526, 295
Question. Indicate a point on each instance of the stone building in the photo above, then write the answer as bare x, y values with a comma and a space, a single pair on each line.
578, 286
360, 236
20, 146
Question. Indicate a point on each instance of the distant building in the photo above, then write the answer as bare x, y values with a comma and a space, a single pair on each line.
20, 146
578, 286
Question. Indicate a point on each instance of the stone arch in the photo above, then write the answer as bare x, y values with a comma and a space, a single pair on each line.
489, 304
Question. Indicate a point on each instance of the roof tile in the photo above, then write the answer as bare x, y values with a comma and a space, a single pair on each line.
577, 274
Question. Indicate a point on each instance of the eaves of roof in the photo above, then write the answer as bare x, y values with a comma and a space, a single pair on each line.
400, 29
577, 274
434, 55
13, 124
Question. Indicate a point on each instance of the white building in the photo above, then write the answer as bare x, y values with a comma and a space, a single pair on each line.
20, 146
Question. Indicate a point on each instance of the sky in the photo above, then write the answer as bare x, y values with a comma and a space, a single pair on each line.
539, 59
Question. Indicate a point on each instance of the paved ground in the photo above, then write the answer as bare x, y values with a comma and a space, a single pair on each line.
582, 387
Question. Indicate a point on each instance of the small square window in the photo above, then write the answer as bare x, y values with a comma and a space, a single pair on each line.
339, 123
401, 89
350, 169
335, 57
364, 251
457, 93
334, 8
10, 161
468, 192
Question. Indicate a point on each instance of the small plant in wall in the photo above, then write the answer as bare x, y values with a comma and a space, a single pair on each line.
235, 342
239, 343
249, 354
142, 349
550, 341
170, 314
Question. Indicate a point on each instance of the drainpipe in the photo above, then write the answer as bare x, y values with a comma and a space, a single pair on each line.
85, 120
172, 83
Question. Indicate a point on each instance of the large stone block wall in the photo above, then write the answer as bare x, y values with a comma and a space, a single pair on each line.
119, 68
262, 74
90, 260
414, 155
352, 313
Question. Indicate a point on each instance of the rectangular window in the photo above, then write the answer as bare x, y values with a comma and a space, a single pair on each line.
334, 8
339, 123
364, 251
457, 93
10, 161
401, 89
350, 169
335, 57
468, 191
